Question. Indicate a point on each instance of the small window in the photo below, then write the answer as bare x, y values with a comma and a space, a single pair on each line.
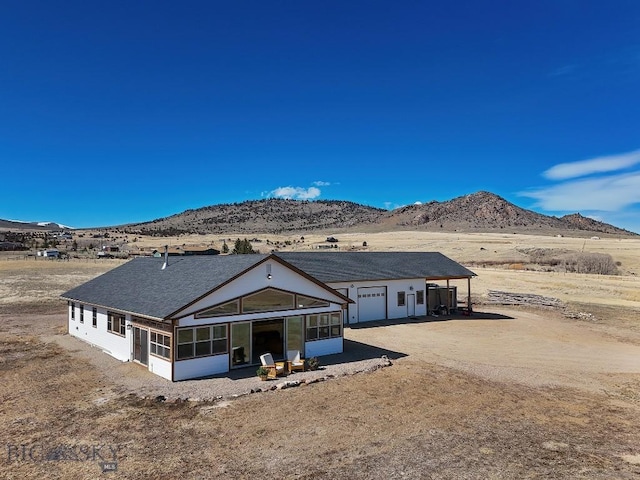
73, 311
401, 299
420, 297
81, 313
203, 341
116, 323
160, 345
326, 325
94, 317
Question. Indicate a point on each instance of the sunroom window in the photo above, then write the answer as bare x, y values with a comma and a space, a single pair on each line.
229, 308
268, 301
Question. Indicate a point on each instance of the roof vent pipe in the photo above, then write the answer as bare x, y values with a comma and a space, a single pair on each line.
166, 257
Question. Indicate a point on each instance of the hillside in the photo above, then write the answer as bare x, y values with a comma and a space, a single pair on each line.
478, 212
267, 216
487, 212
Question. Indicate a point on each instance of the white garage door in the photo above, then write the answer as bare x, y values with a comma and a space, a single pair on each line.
372, 303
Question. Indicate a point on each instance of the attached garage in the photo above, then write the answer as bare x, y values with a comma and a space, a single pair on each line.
382, 285
372, 303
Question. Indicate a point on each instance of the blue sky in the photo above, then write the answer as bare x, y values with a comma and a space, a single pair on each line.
118, 112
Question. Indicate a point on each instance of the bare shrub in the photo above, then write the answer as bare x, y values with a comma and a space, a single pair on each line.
596, 263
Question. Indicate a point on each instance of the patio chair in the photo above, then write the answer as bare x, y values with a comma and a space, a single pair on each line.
275, 368
295, 362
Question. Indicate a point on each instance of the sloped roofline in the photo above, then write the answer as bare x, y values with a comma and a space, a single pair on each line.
240, 274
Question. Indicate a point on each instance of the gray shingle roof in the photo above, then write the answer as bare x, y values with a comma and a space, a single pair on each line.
141, 286
359, 266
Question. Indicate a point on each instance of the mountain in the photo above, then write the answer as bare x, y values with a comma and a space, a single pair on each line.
263, 216
485, 211
43, 226
477, 212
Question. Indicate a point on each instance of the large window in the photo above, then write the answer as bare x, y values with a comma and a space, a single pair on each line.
160, 344
116, 323
308, 302
94, 317
202, 341
229, 308
323, 326
401, 299
267, 301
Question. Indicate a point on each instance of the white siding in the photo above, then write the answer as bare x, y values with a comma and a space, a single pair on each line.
323, 347
115, 345
392, 308
160, 366
201, 367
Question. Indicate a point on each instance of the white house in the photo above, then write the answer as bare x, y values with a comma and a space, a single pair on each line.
49, 252
197, 316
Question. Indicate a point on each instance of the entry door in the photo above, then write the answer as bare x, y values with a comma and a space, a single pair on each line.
267, 337
411, 305
141, 345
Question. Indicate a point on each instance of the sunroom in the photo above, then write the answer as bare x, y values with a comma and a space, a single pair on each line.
235, 333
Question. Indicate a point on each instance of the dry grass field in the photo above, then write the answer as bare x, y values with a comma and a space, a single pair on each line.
511, 392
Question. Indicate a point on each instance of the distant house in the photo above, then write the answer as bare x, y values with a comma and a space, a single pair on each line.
196, 316
50, 252
185, 250
200, 251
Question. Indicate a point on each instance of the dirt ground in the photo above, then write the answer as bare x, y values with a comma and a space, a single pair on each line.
508, 393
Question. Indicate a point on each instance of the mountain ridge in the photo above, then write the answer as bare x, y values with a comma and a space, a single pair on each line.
476, 212
480, 211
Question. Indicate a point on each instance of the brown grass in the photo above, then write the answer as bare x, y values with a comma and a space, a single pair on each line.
443, 414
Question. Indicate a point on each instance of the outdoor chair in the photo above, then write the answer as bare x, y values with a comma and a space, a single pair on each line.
295, 362
275, 368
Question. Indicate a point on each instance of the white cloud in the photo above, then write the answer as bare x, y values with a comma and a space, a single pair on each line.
582, 168
611, 193
418, 203
320, 183
296, 193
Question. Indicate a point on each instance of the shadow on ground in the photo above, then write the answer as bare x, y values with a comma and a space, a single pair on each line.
353, 352
357, 351
430, 319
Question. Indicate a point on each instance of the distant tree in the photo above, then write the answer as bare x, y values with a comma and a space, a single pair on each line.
74, 246
225, 247
243, 247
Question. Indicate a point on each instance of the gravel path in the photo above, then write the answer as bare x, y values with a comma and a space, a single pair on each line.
132, 378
